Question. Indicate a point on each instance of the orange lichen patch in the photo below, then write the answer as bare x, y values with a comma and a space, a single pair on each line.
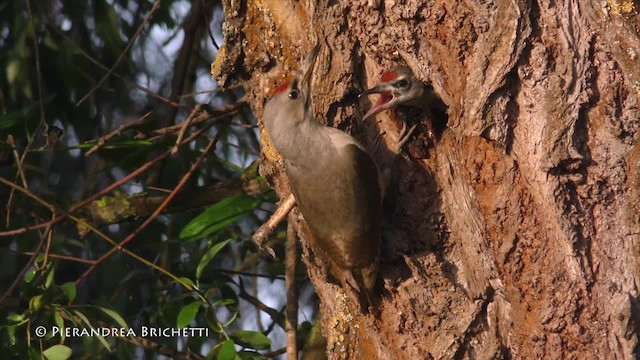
290, 30
621, 7
267, 147
290, 18
389, 75
216, 65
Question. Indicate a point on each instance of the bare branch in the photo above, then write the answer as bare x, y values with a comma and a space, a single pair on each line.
109, 188
261, 235
291, 256
101, 141
158, 211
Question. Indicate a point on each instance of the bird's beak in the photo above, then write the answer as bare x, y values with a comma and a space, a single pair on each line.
385, 101
307, 67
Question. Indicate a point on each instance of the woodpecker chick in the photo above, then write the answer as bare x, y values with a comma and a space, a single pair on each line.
400, 87
335, 181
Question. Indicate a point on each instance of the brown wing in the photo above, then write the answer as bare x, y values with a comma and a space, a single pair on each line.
342, 205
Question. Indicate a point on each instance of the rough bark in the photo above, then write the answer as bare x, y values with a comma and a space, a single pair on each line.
517, 235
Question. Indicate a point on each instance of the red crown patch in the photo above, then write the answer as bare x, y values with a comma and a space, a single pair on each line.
281, 88
389, 75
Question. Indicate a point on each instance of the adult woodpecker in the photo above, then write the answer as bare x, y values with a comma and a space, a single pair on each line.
400, 87
335, 181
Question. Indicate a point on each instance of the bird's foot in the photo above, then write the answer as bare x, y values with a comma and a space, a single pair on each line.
404, 137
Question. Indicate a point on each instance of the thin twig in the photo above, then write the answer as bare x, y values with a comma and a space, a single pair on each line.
246, 126
181, 66
104, 191
11, 142
275, 315
275, 353
155, 7
102, 140
261, 235
47, 249
104, 237
231, 109
158, 211
16, 155
210, 91
36, 50
250, 274
103, 67
206, 19
259, 324
183, 129
53, 256
20, 275
291, 324
43, 118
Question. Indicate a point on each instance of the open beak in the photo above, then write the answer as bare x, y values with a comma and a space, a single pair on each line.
385, 101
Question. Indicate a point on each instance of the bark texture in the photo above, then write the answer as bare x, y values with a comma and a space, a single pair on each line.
518, 234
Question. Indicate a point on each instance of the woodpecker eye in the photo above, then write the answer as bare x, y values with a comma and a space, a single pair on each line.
293, 95
403, 83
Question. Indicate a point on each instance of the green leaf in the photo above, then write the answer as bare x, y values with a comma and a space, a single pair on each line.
12, 69
108, 27
11, 332
250, 355
28, 277
187, 314
231, 320
188, 282
28, 113
218, 216
69, 290
57, 318
223, 302
252, 339
115, 316
9, 119
212, 320
15, 317
34, 354
230, 165
208, 256
86, 321
50, 274
35, 302
57, 352
114, 144
227, 351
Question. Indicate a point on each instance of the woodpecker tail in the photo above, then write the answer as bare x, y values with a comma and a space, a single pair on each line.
365, 296
362, 281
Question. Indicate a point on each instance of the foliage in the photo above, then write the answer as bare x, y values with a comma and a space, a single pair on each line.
186, 268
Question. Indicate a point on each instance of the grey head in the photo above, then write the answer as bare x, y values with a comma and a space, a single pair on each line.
396, 87
290, 103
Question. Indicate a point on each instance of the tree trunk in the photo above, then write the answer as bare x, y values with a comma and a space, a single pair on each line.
517, 234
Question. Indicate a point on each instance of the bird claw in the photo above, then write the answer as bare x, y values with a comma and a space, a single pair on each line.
404, 137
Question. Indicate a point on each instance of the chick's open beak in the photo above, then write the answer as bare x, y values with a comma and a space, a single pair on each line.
384, 102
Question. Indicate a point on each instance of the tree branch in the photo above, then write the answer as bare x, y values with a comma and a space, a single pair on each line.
112, 209
290, 284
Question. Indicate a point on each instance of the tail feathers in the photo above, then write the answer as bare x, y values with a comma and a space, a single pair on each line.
365, 296
362, 281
